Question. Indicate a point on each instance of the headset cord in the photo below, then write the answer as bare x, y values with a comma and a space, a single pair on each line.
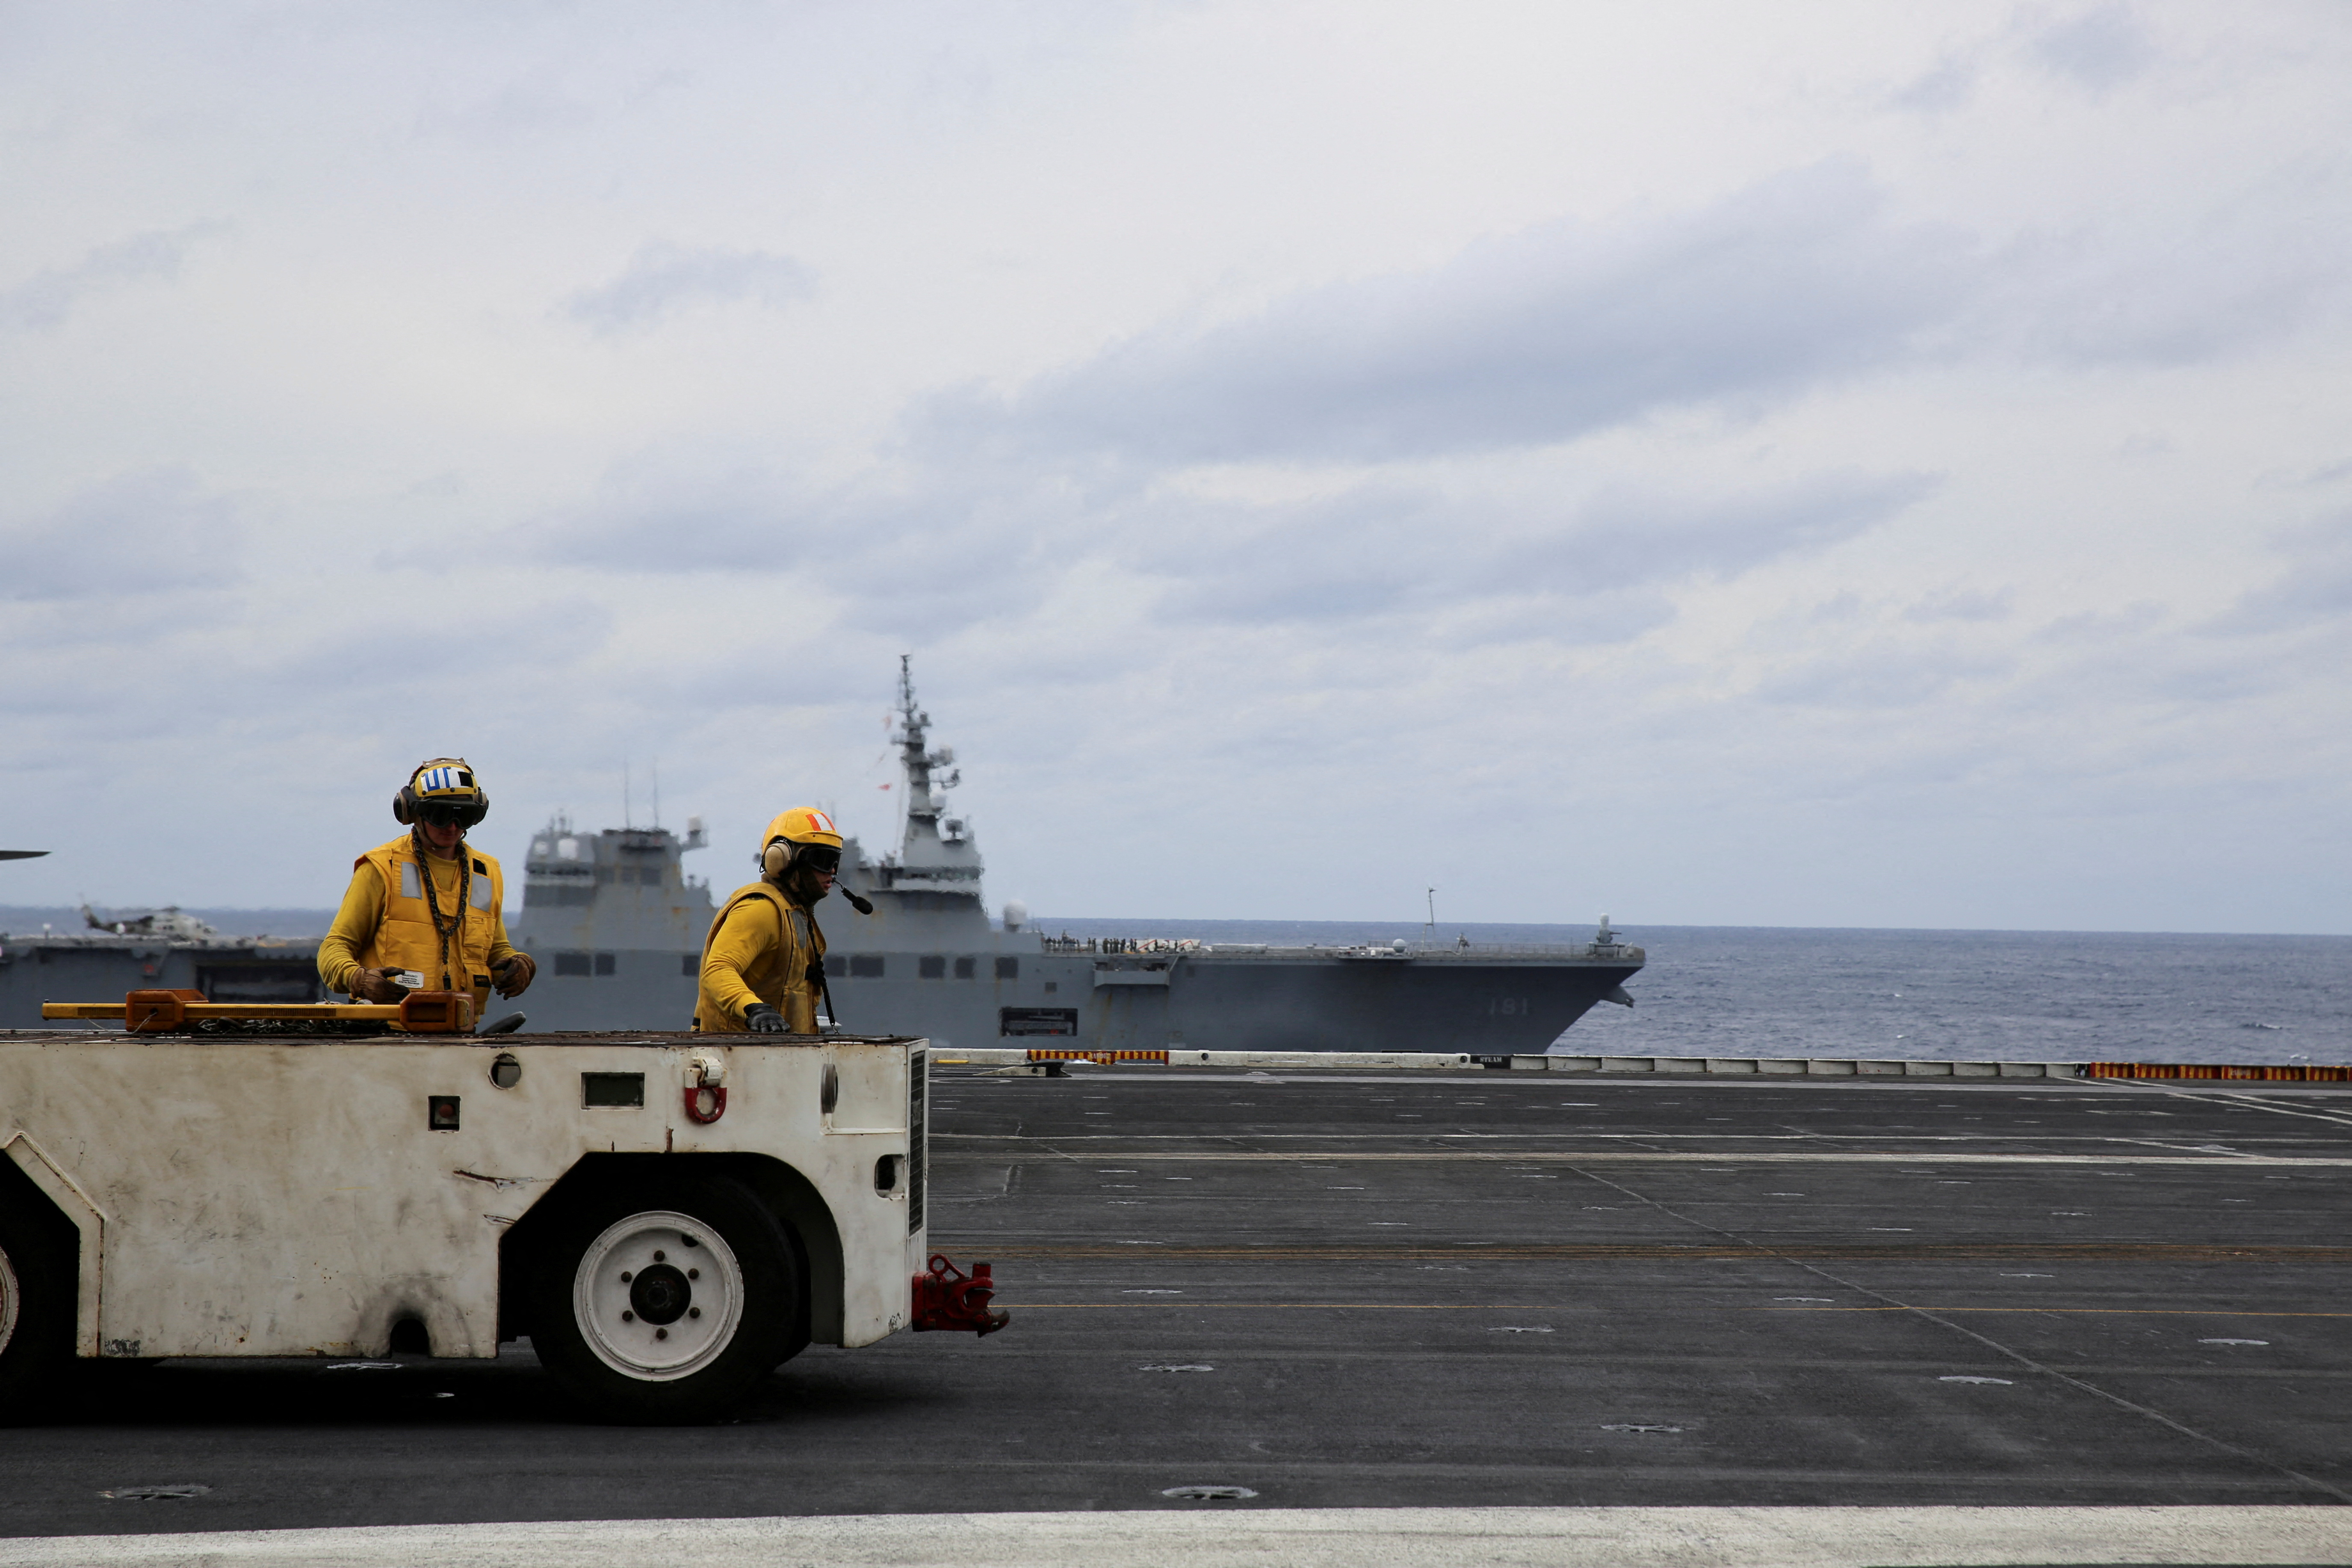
812, 975
816, 973
450, 928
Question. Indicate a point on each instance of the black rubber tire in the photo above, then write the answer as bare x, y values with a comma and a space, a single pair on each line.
38, 1258
770, 1320
797, 1343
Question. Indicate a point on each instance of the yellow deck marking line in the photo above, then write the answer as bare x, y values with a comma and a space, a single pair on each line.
2096, 1311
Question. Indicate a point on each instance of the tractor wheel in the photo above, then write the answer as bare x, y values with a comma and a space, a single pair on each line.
665, 1300
37, 1311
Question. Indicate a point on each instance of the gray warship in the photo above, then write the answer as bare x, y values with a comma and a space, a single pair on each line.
617, 927
165, 949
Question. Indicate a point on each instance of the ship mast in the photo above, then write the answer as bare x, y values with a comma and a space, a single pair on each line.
929, 849
912, 758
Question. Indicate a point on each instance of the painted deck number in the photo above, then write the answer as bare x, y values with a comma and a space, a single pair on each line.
441, 1112
1508, 1007
611, 1088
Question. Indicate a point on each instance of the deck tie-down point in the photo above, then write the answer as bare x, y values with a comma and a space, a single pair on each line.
948, 1298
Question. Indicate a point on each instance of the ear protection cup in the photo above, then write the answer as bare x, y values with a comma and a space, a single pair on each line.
400, 806
801, 827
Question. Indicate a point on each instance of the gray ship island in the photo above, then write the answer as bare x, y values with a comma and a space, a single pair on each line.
617, 927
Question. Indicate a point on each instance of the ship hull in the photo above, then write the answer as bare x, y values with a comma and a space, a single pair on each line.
1438, 1003
948, 975
33, 970
1300, 1001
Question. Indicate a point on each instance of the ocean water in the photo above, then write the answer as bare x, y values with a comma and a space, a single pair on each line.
1756, 991
1936, 996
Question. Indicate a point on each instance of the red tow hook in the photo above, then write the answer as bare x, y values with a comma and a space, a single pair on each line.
948, 1298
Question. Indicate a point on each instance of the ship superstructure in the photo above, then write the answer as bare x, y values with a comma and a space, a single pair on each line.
617, 927
936, 852
615, 924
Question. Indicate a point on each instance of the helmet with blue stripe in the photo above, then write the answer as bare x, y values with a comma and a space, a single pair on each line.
442, 790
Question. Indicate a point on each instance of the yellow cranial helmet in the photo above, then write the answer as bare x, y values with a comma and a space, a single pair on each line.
444, 790
795, 833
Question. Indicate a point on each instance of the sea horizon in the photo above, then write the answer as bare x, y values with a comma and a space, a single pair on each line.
301, 921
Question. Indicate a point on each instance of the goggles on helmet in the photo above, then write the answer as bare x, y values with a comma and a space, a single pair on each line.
448, 813
819, 856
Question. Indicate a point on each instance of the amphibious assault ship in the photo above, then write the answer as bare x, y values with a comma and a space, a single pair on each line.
617, 927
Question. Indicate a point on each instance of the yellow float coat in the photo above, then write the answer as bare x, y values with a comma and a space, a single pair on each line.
760, 948
385, 923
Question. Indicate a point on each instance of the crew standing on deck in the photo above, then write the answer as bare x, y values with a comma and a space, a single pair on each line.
764, 962
428, 904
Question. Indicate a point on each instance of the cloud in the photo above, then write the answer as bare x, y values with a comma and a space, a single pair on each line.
679, 513
1879, 674
2098, 50
1630, 536
662, 280
48, 298
949, 548
150, 531
2245, 276
1531, 341
945, 549
1961, 604
540, 643
1381, 549
2314, 590
1944, 87
687, 512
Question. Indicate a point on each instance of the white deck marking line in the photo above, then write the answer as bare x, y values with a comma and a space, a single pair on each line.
1249, 1535
1693, 1311
1671, 1157
1522, 1133
1545, 1082
1815, 1268
2255, 1103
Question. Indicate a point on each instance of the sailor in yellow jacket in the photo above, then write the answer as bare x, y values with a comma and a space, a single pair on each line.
427, 906
764, 962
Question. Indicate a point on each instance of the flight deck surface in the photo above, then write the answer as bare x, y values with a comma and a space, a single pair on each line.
1473, 1289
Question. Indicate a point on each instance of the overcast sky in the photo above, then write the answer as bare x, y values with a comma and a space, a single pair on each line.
1818, 465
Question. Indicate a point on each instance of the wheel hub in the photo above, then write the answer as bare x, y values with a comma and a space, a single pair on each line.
660, 1294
